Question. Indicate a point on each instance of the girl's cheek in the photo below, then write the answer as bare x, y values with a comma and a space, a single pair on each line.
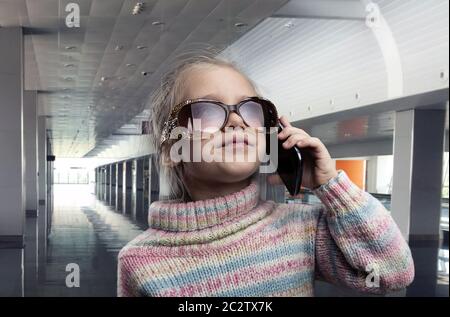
261, 145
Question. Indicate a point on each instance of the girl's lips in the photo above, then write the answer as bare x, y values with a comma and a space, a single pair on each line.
237, 140
222, 139
234, 144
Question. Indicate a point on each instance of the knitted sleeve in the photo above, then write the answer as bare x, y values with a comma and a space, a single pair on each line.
358, 244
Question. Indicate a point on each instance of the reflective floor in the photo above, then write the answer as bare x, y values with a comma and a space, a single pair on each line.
90, 234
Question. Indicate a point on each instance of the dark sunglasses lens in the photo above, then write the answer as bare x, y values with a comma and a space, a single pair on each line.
253, 114
202, 116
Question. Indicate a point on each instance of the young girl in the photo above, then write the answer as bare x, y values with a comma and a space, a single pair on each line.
216, 237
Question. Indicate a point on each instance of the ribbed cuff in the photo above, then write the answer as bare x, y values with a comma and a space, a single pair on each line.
340, 195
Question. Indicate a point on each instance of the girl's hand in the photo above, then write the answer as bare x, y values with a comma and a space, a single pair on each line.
318, 167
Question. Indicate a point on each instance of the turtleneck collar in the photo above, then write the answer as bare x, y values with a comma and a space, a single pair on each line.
172, 215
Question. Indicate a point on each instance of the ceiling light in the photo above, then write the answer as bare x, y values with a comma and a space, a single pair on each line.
103, 78
69, 65
138, 8
141, 47
240, 24
130, 65
70, 47
157, 23
289, 25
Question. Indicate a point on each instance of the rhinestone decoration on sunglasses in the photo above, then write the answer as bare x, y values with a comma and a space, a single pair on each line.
172, 122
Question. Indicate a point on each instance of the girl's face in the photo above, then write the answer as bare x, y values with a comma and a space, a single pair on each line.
239, 160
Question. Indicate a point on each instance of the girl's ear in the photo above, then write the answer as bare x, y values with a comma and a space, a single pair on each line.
170, 163
176, 151
167, 162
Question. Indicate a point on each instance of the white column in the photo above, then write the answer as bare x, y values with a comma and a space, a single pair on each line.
417, 179
31, 251
127, 187
138, 189
12, 195
12, 191
426, 189
112, 187
119, 186
417, 186
30, 139
42, 159
42, 190
372, 165
107, 184
401, 183
154, 180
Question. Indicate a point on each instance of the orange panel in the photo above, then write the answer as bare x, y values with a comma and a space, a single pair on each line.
355, 169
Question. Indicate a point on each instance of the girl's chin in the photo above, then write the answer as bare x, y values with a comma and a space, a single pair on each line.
243, 169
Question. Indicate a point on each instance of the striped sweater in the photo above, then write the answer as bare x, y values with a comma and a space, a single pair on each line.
240, 245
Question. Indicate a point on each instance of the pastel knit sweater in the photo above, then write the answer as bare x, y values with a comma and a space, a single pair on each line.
240, 245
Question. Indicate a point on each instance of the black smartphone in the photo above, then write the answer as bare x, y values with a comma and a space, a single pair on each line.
290, 166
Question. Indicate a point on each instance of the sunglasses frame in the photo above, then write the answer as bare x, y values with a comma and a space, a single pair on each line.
172, 122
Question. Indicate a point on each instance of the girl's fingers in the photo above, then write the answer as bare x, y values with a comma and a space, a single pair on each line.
298, 137
302, 141
285, 122
289, 129
315, 144
293, 140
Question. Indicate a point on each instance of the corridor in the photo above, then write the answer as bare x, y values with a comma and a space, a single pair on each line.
88, 233
96, 94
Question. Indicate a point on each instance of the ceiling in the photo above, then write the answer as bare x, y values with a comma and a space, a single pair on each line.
91, 79
94, 81
328, 72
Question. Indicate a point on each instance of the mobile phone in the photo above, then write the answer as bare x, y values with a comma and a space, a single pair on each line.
290, 166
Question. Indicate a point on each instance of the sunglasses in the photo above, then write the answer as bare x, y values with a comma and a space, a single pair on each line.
210, 116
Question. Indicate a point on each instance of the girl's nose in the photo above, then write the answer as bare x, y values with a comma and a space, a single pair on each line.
235, 120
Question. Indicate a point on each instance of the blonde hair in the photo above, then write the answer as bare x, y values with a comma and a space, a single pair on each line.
165, 97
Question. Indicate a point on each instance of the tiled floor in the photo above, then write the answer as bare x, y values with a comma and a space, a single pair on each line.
87, 232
